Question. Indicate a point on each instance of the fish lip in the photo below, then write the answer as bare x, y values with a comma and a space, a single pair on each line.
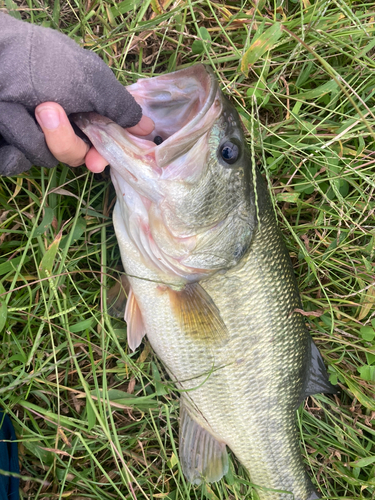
84, 119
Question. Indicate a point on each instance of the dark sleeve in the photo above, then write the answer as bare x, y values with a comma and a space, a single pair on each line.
40, 64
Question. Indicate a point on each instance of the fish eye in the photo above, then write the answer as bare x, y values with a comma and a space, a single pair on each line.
230, 152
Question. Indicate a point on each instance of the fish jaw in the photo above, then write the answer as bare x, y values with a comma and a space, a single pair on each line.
135, 166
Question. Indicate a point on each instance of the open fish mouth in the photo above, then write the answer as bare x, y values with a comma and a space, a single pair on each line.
175, 101
183, 105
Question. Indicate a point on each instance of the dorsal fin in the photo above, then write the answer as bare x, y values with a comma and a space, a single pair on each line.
202, 456
198, 315
134, 320
316, 380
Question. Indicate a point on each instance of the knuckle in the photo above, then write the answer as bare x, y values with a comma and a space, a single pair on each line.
72, 152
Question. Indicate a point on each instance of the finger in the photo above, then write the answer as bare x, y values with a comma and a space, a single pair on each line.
144, 127
61, 140
18, 129
95, 162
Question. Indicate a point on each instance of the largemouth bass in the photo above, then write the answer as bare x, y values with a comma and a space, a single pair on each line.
211, 282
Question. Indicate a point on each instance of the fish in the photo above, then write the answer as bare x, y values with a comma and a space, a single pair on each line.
211, 282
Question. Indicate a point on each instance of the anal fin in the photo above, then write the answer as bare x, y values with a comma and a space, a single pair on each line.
316, 375
134, 320
202, 456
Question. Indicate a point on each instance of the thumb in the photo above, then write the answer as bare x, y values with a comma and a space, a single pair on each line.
60, 137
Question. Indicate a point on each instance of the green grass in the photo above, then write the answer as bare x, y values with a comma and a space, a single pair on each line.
96, 421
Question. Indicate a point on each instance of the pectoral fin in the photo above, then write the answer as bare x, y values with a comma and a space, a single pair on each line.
117, 296
134, 320
198, 315
316, 375
202, 456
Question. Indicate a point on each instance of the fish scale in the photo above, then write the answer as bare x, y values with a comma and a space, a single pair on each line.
273, 408
240, 373
211, 283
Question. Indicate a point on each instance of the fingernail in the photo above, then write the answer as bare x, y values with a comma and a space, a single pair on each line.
144, 127
146, 124
48, 118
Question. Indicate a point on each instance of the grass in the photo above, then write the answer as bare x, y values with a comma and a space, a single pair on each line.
97, 421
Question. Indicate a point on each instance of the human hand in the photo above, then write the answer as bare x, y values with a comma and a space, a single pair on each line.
40, 65
66, 146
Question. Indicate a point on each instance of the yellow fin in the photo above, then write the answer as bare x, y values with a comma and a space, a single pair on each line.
202, 456
198, 315
134, 320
